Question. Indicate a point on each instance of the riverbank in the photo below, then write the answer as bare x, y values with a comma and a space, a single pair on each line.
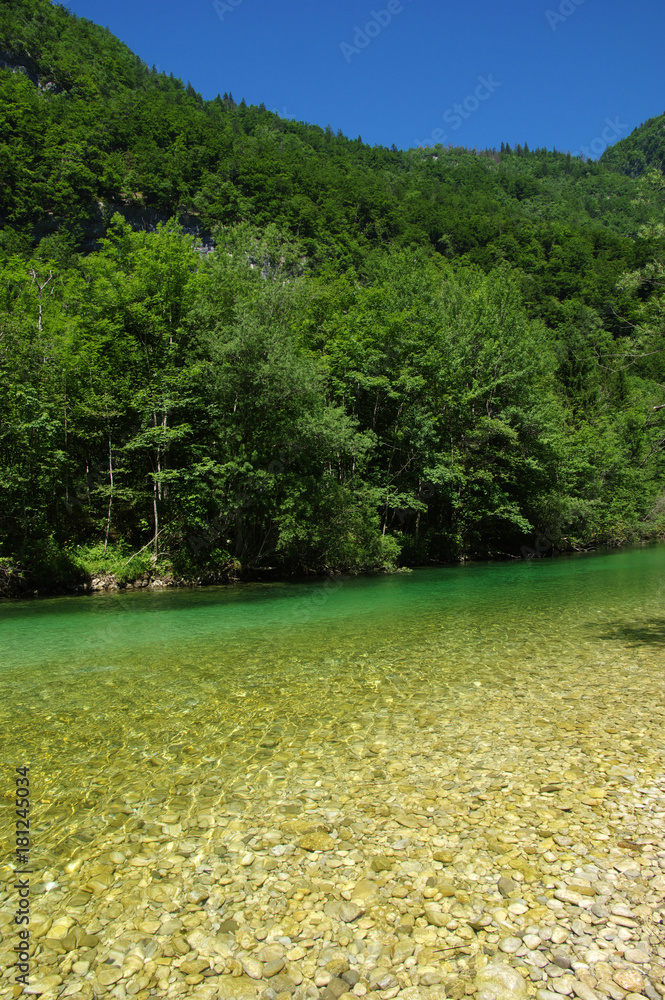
91, 569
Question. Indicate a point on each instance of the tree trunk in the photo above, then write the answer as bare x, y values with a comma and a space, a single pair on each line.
156, 494
108, 516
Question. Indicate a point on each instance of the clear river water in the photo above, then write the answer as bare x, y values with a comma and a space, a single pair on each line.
106, 693
179, 721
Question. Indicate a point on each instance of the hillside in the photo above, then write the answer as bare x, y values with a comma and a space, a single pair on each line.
392, 356
89, 129
642, 150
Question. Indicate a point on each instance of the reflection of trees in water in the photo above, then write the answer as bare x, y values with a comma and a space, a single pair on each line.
650, 632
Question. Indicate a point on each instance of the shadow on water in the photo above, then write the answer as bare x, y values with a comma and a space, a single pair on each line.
650, 632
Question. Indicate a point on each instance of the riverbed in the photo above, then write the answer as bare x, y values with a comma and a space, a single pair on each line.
374, 786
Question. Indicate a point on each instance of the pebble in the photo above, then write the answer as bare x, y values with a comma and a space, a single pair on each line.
510, 945
271, 968
43, 985
559, 935
436, 916
570, 896
507, 885
335, 988
240, 988
636, 955
448, 861
107, 975
564, 985
583, 991
630, 980
500, 982
254, 969
350, 911
317, 842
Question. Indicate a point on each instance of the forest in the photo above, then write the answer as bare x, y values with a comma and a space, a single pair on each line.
234, 345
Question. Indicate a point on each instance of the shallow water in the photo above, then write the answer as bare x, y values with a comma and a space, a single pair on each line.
132, 694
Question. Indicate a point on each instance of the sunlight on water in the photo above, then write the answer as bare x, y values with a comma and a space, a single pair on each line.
162, 712
186, 677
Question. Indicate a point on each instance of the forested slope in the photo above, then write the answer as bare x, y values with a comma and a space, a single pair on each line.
391, 356
642, 150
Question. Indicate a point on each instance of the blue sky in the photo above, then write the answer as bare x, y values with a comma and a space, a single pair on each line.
570, 74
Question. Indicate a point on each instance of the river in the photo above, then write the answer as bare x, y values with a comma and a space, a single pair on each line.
196, 738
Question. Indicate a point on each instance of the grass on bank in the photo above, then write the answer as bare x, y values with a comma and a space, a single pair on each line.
118, 561
47, 567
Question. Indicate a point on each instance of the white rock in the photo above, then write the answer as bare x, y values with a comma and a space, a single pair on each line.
559, 935
435, 915
636, 956
564, 985
583, 991
628, 866
499, 982
570, 896
253, 968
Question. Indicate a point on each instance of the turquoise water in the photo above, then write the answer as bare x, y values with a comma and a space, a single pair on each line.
138, 692
496, 603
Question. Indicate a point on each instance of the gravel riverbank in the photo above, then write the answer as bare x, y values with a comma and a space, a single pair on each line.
410, 872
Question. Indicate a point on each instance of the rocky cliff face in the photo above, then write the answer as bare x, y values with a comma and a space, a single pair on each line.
140, 218
94, 228
26, 66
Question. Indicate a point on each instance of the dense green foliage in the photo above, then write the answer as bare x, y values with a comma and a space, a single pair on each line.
642, 150
390, 356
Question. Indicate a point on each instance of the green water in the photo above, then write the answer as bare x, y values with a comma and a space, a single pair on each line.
126, 705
